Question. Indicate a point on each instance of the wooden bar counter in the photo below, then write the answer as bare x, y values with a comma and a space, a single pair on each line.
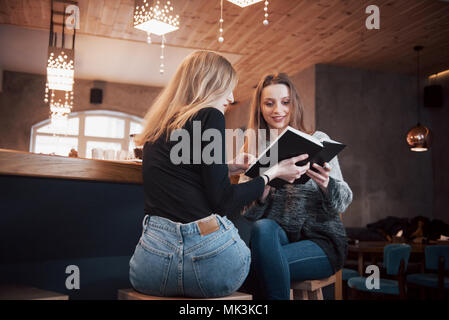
39, 165
57, 212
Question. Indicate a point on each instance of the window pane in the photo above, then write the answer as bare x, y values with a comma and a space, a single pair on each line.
58, 145
106, 127
101, 145
135, 128
70, 127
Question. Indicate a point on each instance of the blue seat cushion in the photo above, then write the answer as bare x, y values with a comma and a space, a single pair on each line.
386, 286
427, 280
348, 273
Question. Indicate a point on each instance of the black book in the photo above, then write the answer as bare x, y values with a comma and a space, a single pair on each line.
292, 143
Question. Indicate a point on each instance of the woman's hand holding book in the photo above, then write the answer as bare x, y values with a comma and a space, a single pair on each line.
322, 177
288, 170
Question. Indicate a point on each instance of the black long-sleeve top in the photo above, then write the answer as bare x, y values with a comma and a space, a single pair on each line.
194, 190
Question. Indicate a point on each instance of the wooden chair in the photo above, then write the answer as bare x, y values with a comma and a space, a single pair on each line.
396, 258
346, 275
21, 292
310, 289
131, 294
437, 277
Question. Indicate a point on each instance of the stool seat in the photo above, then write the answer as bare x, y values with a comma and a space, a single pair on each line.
310, 289
386, 286
21, 292
427, 280
131, 294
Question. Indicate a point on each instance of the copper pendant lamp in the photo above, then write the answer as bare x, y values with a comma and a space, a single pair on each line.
418, 138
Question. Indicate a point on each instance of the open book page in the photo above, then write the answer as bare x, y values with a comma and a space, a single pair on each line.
288, 131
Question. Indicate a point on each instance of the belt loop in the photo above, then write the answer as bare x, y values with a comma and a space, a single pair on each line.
144, 222
223, 221
179, 232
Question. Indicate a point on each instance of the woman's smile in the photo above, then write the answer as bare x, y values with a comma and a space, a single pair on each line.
278, 119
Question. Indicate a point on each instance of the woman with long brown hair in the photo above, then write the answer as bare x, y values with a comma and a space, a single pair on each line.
297, 234
188, 246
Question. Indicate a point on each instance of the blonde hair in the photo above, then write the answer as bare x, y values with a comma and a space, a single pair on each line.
202, 78
256, 119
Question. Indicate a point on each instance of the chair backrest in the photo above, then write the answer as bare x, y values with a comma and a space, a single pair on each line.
433, 253
393, 254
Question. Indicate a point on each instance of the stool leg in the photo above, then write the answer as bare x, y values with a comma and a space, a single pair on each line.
316, 295
422, 293
353, 294
345, 290
300, 295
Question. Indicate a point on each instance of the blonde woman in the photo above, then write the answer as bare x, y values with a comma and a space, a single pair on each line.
297, 234
188, 246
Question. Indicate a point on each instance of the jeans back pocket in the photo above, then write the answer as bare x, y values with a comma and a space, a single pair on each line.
149, 268
222, 270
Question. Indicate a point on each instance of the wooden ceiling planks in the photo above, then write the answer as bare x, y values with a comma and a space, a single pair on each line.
301, 32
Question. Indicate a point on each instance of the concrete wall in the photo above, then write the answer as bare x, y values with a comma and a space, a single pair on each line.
305, 82
440, 158
372, 112
22, 104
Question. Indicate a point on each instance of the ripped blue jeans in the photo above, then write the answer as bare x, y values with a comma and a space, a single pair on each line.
174, 259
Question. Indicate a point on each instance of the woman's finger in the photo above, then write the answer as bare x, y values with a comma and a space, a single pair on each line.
305, 167
315, 176
300, 158
321, 169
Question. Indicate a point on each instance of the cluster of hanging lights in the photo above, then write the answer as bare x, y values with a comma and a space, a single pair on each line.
158, 17
60, 70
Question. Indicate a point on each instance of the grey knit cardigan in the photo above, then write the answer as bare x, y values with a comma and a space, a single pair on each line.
305, 212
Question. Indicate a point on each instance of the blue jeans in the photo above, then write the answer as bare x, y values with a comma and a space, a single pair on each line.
276, 262
174, 259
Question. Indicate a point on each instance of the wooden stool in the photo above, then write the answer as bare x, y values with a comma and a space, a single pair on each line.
21, 292
310, 289
131, 294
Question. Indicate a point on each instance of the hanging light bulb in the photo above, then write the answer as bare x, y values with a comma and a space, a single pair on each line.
418, 138
265, 22
161, 70
220, 38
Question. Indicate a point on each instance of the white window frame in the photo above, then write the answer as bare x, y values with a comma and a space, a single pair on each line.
82, 138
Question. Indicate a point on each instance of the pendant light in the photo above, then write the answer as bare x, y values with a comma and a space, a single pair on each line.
156, 17
418, 138
60, 67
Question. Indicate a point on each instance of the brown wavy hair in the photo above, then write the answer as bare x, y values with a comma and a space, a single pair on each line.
256, 119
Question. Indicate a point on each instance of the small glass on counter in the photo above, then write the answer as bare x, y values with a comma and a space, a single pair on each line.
135, 152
